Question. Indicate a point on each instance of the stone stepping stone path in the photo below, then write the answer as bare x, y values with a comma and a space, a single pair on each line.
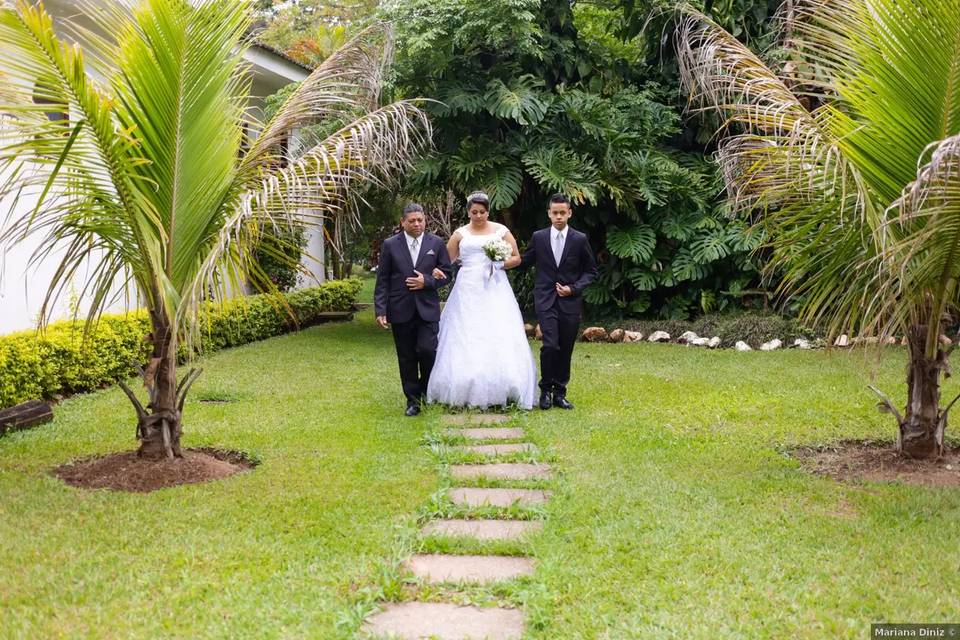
497, 449
482, 529
438, 568
502, 471
474, 418
488, 433
474, 497
420, 620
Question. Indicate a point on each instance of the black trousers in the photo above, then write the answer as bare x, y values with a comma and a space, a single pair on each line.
416, 342
559, 335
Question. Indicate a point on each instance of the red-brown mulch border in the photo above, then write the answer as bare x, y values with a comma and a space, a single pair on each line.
877, 461
124, 471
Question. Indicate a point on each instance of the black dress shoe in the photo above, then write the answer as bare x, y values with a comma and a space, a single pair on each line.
561, 401
546, 400
412, 410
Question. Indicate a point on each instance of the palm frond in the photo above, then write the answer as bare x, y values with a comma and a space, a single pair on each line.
776, 148
927, 258
144, 181
347, 83
783, 163
893, 68
78, 166
373, 149
184, 95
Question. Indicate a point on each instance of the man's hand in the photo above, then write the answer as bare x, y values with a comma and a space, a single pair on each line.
382, 321
415, 284
439, 275
564, 291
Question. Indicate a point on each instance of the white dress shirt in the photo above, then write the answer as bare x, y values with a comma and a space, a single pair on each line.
414, 245
557, 240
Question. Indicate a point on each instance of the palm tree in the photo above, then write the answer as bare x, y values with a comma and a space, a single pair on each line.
849, 161
150, 179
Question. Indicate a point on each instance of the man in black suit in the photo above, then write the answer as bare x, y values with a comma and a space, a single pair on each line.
406, 299
565, 267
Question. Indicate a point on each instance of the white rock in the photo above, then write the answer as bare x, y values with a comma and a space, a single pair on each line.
700, 342
889, 340
714, 342
801, 343
632, 336
659, 336
866, 340
742, 346
773, 345
842, 341
687, 337
944, 340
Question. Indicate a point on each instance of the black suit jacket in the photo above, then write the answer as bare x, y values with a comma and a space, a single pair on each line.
577, 269
392, 298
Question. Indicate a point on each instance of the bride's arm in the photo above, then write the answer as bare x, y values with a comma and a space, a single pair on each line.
514, 259
453, 252
453, 246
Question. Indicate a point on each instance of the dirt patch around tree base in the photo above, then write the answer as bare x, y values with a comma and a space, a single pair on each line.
126, 472
866, 460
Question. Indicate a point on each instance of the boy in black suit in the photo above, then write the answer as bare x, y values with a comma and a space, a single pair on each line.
406, 299
565, 267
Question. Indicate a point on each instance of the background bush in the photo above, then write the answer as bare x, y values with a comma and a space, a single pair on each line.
279, 253
62, 360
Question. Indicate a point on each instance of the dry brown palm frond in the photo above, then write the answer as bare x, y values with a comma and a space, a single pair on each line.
346, 83
776, 150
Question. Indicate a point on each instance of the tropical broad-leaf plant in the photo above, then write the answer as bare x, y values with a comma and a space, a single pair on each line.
849, 158
528, 106
151, 181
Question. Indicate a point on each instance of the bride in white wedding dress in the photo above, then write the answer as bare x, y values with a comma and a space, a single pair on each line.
483, 357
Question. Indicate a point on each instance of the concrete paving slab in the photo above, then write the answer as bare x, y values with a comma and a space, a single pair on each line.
422, 620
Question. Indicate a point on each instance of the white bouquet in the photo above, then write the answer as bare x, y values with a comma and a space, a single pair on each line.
498, 250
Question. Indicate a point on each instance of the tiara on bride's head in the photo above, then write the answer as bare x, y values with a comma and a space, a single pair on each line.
478, 196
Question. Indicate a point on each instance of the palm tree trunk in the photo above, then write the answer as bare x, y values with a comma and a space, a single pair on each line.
160, 429
921, 429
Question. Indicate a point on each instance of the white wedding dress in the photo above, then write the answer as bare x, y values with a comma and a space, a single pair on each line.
483, 357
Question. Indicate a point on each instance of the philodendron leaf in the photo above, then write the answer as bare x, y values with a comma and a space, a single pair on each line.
636, 242
521, 100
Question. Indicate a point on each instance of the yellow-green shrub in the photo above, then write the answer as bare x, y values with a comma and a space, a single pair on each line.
61, 361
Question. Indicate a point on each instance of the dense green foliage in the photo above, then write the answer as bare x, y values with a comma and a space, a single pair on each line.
528, 107
64, 360
310, 30
278, 253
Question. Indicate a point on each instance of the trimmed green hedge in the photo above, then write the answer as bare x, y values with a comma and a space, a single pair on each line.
59, 361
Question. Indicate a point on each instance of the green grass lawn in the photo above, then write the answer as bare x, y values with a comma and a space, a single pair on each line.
675, 514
